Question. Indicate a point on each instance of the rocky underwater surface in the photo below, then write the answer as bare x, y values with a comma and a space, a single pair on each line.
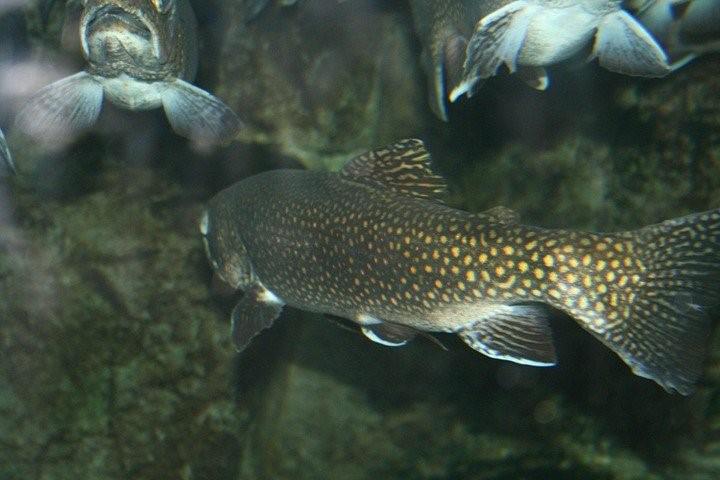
116, 360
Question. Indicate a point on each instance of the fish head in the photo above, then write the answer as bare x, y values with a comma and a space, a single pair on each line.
142, 33
225, 249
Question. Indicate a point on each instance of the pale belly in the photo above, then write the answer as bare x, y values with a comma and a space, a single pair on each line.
557, 34
132, 94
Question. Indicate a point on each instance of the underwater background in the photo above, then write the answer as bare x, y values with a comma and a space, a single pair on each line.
115, 354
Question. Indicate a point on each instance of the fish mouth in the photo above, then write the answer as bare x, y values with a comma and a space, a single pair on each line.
115, 20
113, 17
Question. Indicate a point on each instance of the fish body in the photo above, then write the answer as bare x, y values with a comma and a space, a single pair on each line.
444, 28
685, 28
540, 33
141, 54
375, 244
6, 162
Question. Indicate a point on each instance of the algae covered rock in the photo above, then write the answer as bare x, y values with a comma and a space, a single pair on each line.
322, 80
114, 363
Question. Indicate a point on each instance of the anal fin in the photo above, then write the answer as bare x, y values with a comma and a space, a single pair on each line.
518, 333
256, 311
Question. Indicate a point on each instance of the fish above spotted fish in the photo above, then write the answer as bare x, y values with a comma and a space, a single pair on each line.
6, 162
685, 28
142, 54
375, 243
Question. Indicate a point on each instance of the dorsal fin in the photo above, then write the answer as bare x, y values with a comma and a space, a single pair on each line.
403, 167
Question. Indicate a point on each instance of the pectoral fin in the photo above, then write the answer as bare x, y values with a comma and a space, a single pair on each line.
497, 41
62, 109
518, 333
198, 115
6, 163
622, 45
388, 334
256, 311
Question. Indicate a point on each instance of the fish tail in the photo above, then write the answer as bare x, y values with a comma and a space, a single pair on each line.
649, 296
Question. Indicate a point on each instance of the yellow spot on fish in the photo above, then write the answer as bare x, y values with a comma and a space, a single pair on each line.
493, 251
618, 247
477, 293
428, 268
455, 252
548, 260
623, 280
587, 281
568, 249
500, 271
407, 240
482, 258
455, 269
413, 269
571, 278
601, 288
470, 276
435, 254
485, 275
583, 303
443, 239
472, 241
599, 307
554, 293
403, 280
601, 247
614, 299
467, 260
531, 245
523, 266
461, 285
539, 273
537, 293
553, 276
610, 276
508, 250
508, 283
587, 260
445, 297
428, 240
431, 295
615, 264
438, 284
527, 283
492, 292
627, 261
600, 265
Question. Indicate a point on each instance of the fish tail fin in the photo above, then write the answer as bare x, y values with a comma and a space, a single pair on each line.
652, 290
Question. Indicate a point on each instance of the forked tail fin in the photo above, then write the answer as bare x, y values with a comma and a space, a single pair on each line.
659, 283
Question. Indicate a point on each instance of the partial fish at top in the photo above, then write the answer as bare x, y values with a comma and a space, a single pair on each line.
6, 163
444, 28
141, 55
686, 28
540, 33
375, 243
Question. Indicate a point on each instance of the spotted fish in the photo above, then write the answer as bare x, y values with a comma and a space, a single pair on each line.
6, 163
540, 33
375, 243
141, 55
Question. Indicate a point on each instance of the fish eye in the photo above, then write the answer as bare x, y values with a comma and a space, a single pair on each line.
163, 6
